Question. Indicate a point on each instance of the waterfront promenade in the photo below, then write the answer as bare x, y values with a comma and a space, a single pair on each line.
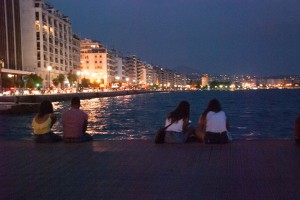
68, 96
261, 169
23, 104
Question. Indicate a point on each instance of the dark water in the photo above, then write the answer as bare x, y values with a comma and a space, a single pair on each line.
253, 114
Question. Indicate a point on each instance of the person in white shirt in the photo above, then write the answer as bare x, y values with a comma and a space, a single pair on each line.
213, 124
179, 130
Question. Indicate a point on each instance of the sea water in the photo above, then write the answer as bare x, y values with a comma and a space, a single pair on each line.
253, 114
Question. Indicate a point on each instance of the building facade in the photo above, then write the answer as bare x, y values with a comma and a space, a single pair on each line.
37, 39
54, 41
11, 52
95, 63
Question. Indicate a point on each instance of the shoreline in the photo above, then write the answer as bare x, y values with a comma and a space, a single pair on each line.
30, 103
69, 96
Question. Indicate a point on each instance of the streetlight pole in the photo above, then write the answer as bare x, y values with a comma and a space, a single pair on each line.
49, 69
1, 66
78, 74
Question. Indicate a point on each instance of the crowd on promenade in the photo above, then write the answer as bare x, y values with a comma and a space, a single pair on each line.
212, 127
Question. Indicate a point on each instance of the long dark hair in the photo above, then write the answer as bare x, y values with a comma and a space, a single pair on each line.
45, 108
213, 105
182, 111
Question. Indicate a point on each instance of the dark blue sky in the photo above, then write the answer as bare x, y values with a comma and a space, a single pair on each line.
254, 37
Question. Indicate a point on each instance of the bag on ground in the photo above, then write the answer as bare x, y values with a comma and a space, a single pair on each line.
160, 136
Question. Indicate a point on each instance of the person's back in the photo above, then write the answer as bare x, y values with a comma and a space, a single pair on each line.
42, 125
216, 122
43, 122
213, 124
74, 123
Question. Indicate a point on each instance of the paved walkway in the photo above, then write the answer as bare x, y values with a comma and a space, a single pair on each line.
142, 170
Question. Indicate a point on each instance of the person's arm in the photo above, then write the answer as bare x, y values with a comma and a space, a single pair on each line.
185, 123
85, 123
201, 123
53, 119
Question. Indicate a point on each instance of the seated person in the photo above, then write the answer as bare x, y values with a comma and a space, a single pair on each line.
213, 124
43, 122
177, 123
75, 123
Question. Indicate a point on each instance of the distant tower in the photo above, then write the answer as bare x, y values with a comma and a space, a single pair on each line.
204, 80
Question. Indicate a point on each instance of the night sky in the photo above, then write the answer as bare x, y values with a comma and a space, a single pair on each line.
253, 37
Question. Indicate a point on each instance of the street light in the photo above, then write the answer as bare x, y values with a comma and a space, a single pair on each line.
49, 68
1, 66
78, 74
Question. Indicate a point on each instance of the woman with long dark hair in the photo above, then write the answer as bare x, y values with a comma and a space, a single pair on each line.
213, 124
179, 129
43, 122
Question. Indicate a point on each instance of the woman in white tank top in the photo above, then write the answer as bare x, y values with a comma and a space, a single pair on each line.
213, 124
179, 130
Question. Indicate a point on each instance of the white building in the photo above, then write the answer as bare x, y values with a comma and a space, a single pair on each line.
47, 40
94, 62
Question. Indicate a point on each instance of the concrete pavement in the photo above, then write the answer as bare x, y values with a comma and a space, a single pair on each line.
143, 170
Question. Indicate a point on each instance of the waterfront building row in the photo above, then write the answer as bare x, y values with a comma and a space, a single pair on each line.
111, 69
248, 82
38, 38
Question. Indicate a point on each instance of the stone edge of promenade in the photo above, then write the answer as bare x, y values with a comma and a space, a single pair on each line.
68, 96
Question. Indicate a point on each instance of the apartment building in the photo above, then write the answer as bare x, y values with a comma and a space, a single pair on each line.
76, 52
180, 81
11, 52
164, 77
167, 78
149, 74
96, 63
120, 74
130, 63
54, 40
37, 39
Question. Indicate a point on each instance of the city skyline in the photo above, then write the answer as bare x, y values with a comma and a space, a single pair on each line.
234, 37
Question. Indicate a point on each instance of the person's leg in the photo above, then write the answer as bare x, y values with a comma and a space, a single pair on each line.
54, 137
47, 137
224, 138
189, 131
86, 137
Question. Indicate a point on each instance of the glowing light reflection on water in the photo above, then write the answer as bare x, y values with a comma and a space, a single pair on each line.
260, 114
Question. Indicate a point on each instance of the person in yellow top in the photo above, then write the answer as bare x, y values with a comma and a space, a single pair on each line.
43, 122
